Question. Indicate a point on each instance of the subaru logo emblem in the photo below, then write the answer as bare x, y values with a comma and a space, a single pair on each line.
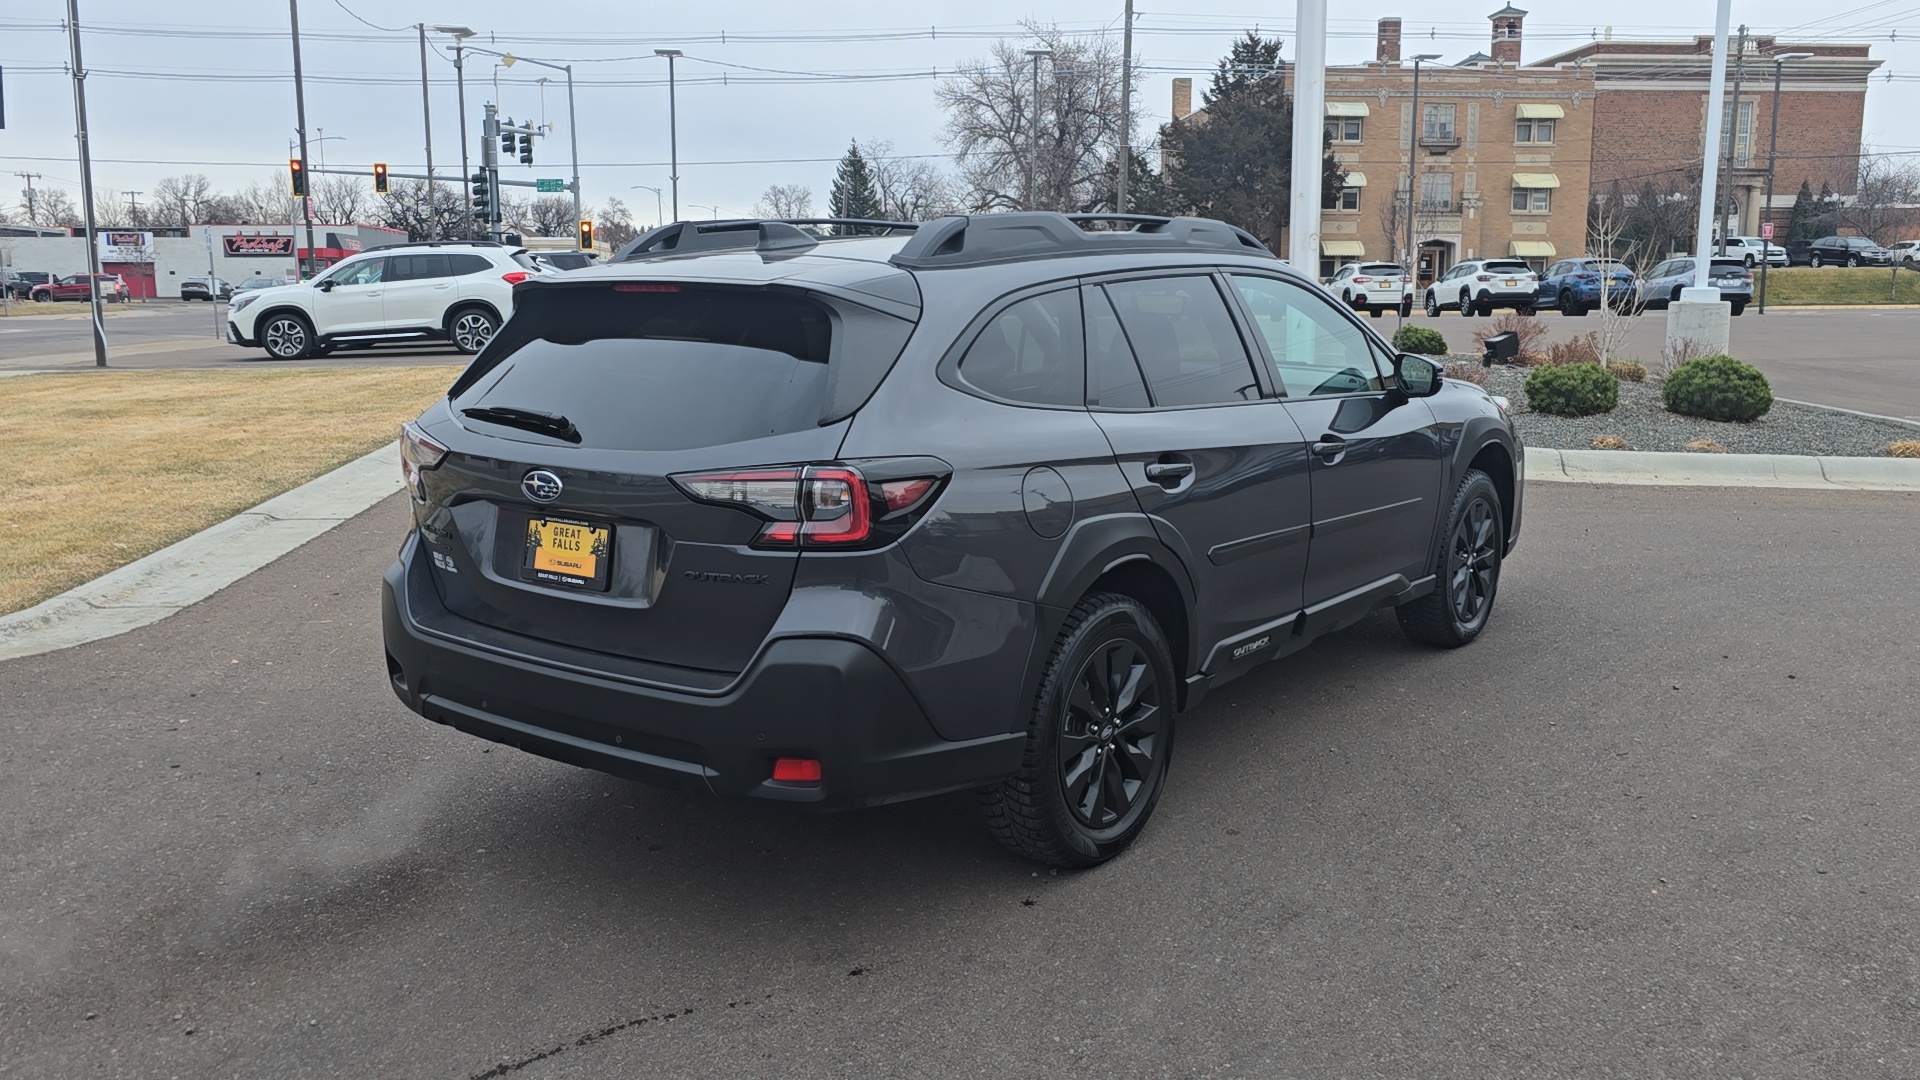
541, 486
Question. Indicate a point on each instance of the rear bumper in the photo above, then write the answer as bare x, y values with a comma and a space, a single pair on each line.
834, 700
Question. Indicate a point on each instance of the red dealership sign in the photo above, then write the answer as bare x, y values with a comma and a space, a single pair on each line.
257, 246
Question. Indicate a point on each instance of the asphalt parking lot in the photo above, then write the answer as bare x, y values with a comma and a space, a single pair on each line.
1862, 359
1658, 822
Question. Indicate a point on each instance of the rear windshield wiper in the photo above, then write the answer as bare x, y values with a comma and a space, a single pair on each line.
545, 423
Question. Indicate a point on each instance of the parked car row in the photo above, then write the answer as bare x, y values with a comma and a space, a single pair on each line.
1573, 286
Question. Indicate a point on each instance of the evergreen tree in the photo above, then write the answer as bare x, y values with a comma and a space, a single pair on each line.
1251, 59
853, 191
1800, 220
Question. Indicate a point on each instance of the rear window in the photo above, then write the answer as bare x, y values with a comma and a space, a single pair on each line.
1386, 269
684, 366
1510, 265
1727, 266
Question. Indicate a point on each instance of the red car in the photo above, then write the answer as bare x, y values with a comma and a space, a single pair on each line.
74, 287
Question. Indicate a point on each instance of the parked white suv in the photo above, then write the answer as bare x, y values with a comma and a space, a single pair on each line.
1752, 250
1480, 285
1374, 288
457, 291
1905, 253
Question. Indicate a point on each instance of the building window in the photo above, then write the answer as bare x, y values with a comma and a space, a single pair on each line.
1436, 192
1533, 131
1348, 199
1344, 128
1532, 200
1436, 124
1737, 138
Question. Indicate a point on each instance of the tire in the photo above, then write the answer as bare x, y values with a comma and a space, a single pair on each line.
1466, 303
1406, 308
470, 329
1853, 261
1569, 306
1467, 568
1486, 306
1675, 298
1749, 262
1813, 260
287, 337
1739, 306
1433, 306
1069, 805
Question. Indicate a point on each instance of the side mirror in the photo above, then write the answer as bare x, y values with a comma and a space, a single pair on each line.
1501, 348
1417, 375
324, 285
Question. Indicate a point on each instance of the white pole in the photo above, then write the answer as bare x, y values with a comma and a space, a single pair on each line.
1309, 128
1710, 156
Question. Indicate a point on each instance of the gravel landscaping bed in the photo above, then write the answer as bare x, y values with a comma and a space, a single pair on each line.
1644, 422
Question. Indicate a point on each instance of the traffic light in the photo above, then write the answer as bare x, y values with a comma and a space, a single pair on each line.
299, 174
586, 236
379, 178
526, 149
506, 140
482, 196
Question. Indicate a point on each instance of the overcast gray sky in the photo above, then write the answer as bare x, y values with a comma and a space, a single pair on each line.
768, 92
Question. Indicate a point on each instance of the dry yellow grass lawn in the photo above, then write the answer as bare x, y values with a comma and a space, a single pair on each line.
104, 467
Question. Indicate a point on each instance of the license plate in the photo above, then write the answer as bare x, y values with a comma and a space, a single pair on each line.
1511, 282
564, 551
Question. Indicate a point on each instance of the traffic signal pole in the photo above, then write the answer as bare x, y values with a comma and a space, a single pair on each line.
300, 120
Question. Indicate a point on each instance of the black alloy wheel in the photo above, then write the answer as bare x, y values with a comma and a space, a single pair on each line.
1467, 570
1099, 742
1568, 305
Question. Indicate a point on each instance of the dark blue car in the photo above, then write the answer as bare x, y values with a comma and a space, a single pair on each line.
1730, 275
1573, 286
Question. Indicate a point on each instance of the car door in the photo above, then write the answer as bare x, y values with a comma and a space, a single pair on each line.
1375, 465
419, 290
1212, 458
351, 299
1551, 282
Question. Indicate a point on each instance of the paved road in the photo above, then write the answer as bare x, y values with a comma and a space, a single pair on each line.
1862, 359
1658, 822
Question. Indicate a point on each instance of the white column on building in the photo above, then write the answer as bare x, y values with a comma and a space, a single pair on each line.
1309, 128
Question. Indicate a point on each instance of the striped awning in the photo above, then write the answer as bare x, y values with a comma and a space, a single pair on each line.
1343, 247
1541, 112
1347, 108
1535, 180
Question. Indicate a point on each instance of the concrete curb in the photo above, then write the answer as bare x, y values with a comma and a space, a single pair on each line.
1722, 470
150, 589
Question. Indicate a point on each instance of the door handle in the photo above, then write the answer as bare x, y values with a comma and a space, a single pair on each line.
1329, 447
1169, 473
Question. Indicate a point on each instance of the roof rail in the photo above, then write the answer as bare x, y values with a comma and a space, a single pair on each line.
742, 234
435, 243
980, 239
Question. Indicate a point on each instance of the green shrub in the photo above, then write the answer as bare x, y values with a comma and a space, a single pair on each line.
1419, 339
1718, 388
1572, 389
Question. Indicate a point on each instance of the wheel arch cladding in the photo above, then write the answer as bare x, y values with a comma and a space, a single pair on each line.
446, 321
1148, 582
261, 320
1494, 460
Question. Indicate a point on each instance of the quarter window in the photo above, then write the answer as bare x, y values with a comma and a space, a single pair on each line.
1316, 351
1032, 352
1185, 341
1113, 375
462, 265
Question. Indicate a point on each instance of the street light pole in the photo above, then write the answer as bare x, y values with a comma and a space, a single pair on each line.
573, 129
460, 34
1413, 155
1033, 133
1126, 111
86, 183
704, 206
673, 127
300, 121
657, 212
1773, 143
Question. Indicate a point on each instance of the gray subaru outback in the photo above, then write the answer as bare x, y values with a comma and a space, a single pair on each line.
979, 503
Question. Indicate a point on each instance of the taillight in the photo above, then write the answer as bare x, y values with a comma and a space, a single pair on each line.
516, 277
827, 505
1361, 279
1484, 277
418, 453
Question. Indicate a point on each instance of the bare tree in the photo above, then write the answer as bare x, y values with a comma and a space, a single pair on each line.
909, 189
55, 208
337, 200
994, 113
785, 201
614, 226
1886, 200
260, 203
180, 200
406, 206
1607, 224
551, 215
110, 211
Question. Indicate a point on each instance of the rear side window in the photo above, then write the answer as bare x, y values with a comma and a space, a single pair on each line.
462, 265
1032, 352
1185, 340
416, 267
1113, 375
681, 367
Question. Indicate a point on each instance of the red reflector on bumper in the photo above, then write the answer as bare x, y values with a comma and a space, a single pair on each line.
795, 770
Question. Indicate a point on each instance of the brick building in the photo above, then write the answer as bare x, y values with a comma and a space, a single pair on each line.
1650, 119
1500, 166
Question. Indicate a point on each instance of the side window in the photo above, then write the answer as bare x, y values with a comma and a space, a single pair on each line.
1185, 340
1031, 352
1113, 375
468, 264
366, 272
1315, 349
417, 267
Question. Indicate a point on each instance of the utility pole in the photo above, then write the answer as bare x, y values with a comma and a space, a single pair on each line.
133, 207
300, 120
30, 177
86, 183
1773, 145
1033, 131
1413, 156
426, 118
1733, 141
1126, 111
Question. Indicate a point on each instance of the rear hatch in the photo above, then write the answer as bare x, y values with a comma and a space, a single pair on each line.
555, 514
